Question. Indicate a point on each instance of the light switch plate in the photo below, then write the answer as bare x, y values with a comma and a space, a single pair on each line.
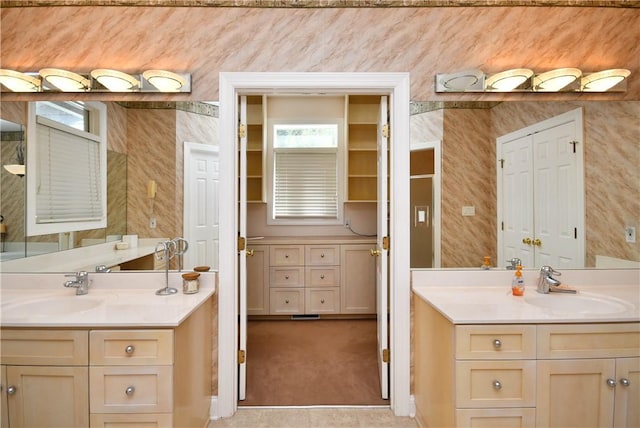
468, 211
630, 234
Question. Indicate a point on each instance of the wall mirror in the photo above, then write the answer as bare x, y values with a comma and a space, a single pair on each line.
145, 143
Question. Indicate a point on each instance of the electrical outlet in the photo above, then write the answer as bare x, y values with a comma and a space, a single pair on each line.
630, 234
152, 223
347, 222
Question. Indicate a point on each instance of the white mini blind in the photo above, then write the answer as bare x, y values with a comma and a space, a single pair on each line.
305, 184
69, 177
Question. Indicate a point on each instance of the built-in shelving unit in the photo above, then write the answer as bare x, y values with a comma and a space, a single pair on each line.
255, 149
362, 119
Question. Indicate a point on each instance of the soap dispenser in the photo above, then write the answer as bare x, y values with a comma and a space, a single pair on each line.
517, 285
486, 264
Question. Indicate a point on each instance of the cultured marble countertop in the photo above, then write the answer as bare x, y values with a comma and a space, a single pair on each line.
114, 300
490, 304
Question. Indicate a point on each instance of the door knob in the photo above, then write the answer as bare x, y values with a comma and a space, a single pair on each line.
625, 382
11, 390
537, 242
250, 253
375, 252
526, 241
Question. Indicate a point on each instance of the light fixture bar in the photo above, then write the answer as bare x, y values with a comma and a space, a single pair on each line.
526, 80
98, 80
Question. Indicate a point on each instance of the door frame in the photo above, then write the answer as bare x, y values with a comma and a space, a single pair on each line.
396, 86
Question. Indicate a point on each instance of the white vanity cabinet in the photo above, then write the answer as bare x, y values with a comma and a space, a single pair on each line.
319, 277
525, 375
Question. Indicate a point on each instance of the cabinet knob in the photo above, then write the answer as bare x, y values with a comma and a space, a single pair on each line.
625, 382
130, 390
322, 256
130, 349
611, 383
287, 301
286, 256
497, 385
497, 343
286, 277
322, 276
322, 301
11, 389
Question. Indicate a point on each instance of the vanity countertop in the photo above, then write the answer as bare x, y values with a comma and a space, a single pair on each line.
114, 300
490, 304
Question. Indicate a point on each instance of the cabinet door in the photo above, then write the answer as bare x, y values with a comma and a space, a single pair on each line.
358, 279
574, 393
258, 280
4, 411
627, 411
48, 396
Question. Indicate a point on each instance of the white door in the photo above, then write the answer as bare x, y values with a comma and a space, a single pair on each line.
541, 194
242, 251
555, 196
201, 225
382, 261
517, 213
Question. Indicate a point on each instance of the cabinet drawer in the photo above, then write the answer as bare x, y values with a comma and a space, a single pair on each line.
286, 301
142, 420
495, 342
324, 300
131, 347
286, 277
495, 383
44, 347
122, 389
322, 255
286, 255
492, 418
588, 340
322, 276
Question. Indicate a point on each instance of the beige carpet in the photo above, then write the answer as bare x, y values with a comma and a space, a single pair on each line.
312, 362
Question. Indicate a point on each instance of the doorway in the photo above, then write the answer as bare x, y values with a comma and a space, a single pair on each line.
397, 86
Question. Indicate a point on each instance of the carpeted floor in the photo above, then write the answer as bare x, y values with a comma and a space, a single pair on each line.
312, 362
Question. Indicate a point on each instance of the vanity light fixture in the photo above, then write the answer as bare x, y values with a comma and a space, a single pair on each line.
165, 81
555, 80
19, 167
98, 80
464, 81
603, 80
508, 80
66, 81
19, 82
115, 81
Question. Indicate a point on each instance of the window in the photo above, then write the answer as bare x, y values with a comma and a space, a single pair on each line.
306, 166
66, 167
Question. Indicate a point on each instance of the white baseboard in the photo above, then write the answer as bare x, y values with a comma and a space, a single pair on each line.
412, 406
214, 415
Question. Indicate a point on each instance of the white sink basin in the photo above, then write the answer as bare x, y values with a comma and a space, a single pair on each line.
582, 303
59, 305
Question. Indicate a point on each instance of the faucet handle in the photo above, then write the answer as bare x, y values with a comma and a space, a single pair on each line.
548, 271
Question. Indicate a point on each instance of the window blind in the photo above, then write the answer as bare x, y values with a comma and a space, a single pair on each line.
68, 187
305, 184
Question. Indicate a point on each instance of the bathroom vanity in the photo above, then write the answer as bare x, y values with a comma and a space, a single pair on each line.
485, 358
118, 355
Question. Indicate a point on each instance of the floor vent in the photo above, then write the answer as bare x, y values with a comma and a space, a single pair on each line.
305, 317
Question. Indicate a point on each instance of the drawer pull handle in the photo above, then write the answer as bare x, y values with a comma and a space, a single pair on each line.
321, 276
497, 385
497, 343
11, 390
130, 349
611, 383
130, 390
322, 301
287, 301
625, 382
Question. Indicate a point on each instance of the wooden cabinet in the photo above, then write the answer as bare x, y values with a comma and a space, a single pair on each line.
362, 148
258, 280
99, 378
358, 274
593, 366
312, 279
546, 375
46, 378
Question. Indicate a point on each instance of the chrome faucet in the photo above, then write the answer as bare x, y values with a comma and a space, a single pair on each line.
513, 263
81, 283
547, 283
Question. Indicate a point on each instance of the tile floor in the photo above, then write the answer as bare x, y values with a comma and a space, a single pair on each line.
313, 417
